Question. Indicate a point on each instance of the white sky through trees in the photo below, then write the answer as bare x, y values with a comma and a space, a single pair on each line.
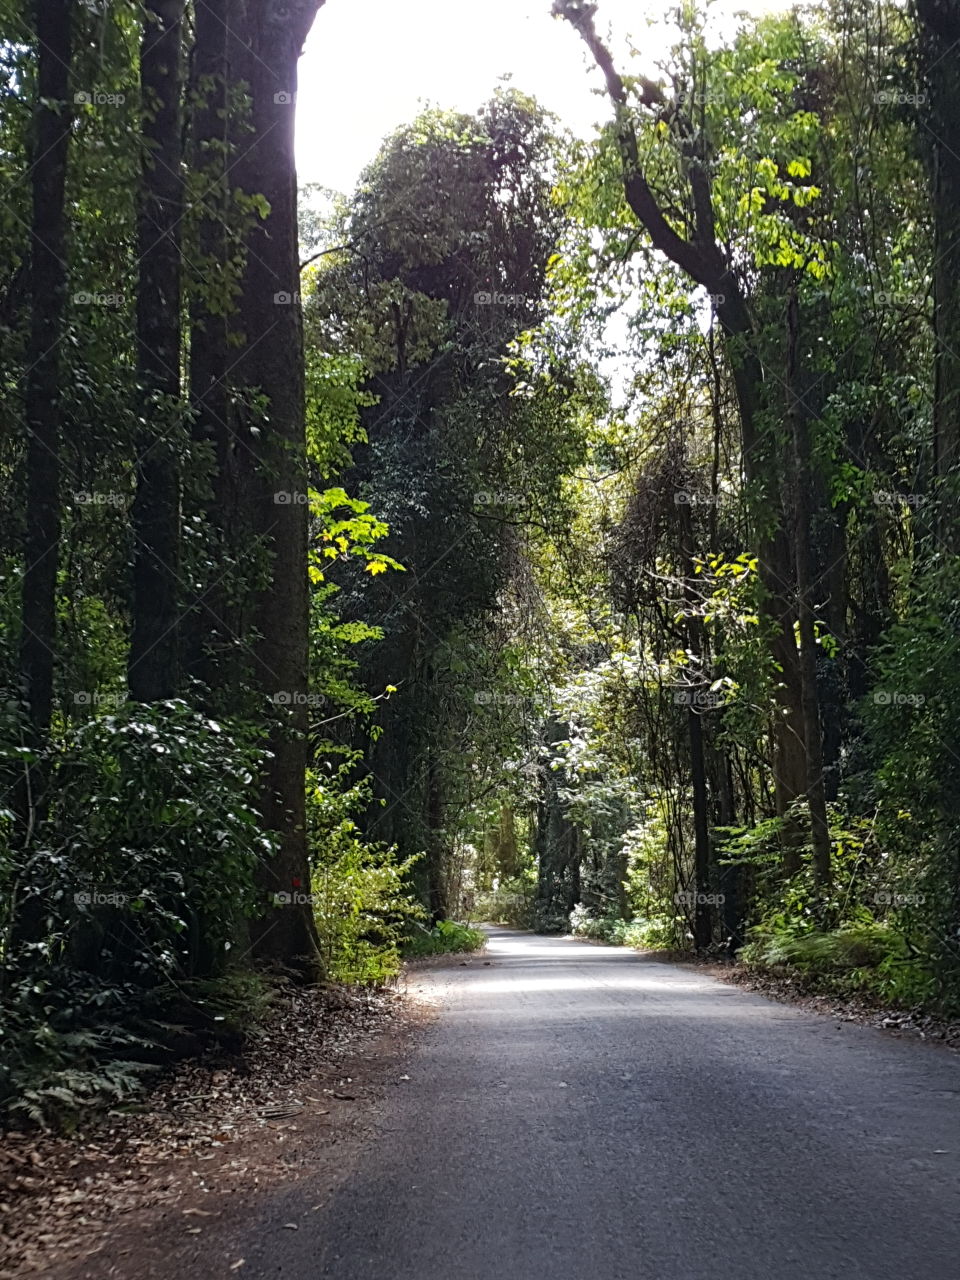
370, 65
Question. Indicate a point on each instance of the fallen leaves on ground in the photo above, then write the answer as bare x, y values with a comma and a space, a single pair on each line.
793, 989
58, 1193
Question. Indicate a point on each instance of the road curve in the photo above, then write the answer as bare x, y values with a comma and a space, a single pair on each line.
582, 1113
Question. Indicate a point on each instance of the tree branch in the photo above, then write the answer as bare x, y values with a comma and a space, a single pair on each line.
706, 268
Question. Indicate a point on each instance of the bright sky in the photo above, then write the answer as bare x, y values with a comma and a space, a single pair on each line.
370, 65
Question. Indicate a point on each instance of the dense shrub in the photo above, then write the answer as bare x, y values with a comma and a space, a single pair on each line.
133, 891
362, 897
447, 936
644, 934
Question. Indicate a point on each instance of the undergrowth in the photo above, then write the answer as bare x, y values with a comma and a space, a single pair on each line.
446, 937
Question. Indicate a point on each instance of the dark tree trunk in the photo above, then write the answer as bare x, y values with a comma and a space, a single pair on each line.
702, 924
940, 33
153, 668
49, 283
802, 485
558, 846
269, 42
702, 858
436, 861
49, 279
207, 636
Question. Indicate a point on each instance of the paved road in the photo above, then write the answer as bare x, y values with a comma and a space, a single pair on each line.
581, 1113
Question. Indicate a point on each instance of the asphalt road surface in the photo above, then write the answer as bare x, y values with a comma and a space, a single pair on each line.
581, 1113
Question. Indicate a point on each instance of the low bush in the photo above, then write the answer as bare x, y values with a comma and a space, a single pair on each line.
447, 936
860, 945
642, 933
865, 956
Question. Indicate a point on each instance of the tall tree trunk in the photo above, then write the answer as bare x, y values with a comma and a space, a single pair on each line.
49, 283
213, 652
702, 922
940, 37
802, 486
439, 905
557, 845
270, 41
153, 667
49, 278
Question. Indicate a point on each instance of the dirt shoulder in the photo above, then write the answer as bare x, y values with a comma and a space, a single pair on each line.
790, 988
151, 1193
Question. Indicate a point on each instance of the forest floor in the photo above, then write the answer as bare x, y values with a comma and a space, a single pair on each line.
866, 1010
140, 1190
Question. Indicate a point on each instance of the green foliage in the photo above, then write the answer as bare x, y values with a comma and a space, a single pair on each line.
140, 874
59, 1054
856, 946
872, 957
869, 935
548, 684
639, 933
79, 1044
162, 863
362, 900
510, 902
446, 936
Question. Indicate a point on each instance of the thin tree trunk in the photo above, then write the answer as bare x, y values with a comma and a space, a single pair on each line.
703, 259
153, 667
702, 859
813, 735
557, 843
438, 904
